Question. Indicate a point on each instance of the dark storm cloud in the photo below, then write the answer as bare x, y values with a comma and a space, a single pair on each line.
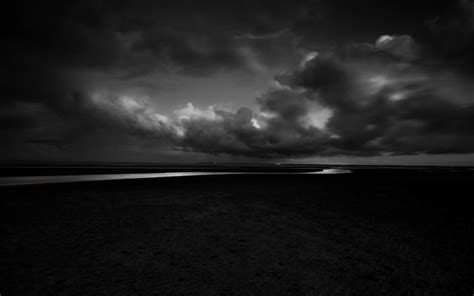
140, 36
391, 97
54, 48
451, 36
239, 134
56, 54
409, 92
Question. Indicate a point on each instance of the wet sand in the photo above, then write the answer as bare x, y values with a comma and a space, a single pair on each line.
367, 233
55, 179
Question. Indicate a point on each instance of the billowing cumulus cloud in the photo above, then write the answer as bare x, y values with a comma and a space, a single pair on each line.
385, 98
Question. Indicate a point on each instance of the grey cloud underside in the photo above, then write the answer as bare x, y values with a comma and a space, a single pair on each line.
402, 94
380, 103
394, 97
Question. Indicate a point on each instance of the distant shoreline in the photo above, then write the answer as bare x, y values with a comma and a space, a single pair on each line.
67, 169
32, 180
40, 175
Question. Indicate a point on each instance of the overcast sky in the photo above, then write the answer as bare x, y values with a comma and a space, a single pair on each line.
324, 81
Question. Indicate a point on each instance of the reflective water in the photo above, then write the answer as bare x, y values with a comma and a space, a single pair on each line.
28, 180
332, 171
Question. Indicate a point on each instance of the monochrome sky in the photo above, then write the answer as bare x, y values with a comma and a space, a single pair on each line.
183, 81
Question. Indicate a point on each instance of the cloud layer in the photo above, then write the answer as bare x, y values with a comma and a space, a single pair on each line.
362, 100
69, 76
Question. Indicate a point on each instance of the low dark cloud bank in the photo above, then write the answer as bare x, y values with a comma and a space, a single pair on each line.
398, 83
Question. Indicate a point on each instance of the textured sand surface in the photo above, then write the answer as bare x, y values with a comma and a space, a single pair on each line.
370, 234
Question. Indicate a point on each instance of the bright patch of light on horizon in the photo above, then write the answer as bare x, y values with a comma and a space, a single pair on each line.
28, 180
332, 172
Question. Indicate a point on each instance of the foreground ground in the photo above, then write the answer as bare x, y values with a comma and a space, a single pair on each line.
372, 233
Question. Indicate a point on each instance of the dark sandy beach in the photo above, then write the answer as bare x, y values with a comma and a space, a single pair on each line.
368, 233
